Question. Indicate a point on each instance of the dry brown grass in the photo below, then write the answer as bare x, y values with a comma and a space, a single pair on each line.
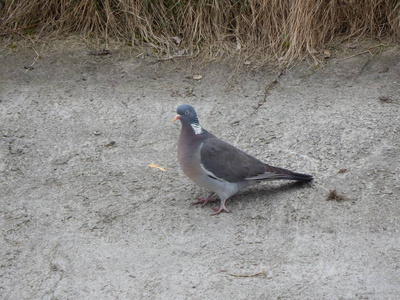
285, 30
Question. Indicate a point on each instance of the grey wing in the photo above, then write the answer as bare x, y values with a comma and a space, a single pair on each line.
226, 162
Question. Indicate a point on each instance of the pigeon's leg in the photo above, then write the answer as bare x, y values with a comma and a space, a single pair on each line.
203, 201
221, 208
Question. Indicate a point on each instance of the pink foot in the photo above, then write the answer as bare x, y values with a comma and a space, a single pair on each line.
204, 201
220, 209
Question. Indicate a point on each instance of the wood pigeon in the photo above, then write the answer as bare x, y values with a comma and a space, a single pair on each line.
218, 166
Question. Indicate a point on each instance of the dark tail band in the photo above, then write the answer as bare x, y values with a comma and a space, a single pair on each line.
289, 175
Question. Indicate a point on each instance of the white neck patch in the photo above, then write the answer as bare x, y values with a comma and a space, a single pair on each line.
197, 128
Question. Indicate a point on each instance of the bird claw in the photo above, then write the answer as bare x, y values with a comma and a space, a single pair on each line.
220, 209
203, 201
211, 198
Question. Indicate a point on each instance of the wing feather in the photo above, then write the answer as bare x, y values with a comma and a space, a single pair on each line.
228, 163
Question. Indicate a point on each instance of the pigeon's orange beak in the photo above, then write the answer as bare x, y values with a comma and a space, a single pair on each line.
176, 118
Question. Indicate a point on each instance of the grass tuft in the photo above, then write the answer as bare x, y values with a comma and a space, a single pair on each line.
284, 30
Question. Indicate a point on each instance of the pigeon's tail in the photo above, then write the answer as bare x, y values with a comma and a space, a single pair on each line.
273, 173
298, 177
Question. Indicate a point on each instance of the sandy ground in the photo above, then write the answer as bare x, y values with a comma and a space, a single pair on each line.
83, 216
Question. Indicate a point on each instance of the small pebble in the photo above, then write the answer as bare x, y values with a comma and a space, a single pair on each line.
385, 99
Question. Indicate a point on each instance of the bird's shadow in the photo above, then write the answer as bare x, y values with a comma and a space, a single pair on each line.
267, 191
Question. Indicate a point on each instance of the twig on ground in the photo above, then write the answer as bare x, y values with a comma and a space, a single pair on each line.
34, 60
363, 52
262, 273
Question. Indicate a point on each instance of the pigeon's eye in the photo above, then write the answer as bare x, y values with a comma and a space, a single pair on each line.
186, 112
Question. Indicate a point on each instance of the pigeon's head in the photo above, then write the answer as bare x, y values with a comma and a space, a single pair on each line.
186, 114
